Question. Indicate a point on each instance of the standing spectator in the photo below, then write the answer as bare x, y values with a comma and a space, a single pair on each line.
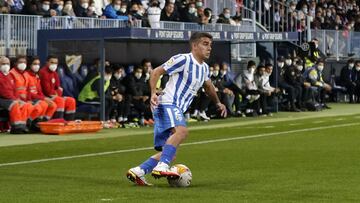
154, 13
82, 9
50, 83
112, 11
347, 79
68, 9
169, 13
357, 81
16, 6
190, 15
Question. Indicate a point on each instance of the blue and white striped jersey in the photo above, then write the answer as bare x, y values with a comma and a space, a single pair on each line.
187, 76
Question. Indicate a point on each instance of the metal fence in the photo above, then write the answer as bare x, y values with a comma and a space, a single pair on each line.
338, 43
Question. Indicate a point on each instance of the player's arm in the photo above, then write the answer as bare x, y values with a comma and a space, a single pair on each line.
154, 77
211, 92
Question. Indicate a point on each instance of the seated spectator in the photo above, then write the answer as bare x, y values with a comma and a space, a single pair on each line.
314, 76
121, 100
154, 13
67, 83
57, 6
19, 111
16, 6
224, 17
136, 12
290, 78
112, 11
169, 13
190, 14
44, 9
90, 94
347, 77
50, 83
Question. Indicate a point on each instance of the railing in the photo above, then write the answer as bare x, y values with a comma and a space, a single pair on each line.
338, 44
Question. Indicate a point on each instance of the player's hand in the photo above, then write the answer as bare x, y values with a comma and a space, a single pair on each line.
221, 107
154, 101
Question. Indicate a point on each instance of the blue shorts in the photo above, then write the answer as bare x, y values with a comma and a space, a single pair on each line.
166, 117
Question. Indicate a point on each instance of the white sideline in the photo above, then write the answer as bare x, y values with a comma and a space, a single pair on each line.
185, 144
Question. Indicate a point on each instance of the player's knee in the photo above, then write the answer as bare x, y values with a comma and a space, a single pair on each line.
182, 132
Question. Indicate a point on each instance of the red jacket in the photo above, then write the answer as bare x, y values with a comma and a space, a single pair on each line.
35, 90
50, 82
7, 87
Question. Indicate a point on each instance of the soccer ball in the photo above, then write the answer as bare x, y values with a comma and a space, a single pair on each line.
185, 176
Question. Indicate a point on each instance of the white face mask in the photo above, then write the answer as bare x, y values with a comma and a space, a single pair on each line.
357, 68
85, 5
45, 7
293, 8
123, 10
192, 10
117, 7
68, 7
252, 70
211, 73
117, 75
223, 72
305, 10
288, 62
5, 69
147, 76
199, 4
107, 77
53, 67
320, 68
216, 73
60, 7
92, 8
281, 64
35, 68
21, 66
351, 65
227, 16
300, 68
138, 75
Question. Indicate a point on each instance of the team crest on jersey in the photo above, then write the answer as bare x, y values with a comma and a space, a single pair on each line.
53, 80
170, 62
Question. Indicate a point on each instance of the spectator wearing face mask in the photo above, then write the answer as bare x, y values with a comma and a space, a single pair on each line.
113, 11
44, 8
224, 17
251, 89
35, 90
347, 79
21, 82
136, 12
16, 6
314, 76
190, 14
68, 9
19, 111
50, 84
283, 85
121, 100
357, 80
57, 6
154, 13
307, 92
82, 9
314, 55
169, 13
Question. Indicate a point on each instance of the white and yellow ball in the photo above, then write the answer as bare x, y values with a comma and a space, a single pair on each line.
185, 177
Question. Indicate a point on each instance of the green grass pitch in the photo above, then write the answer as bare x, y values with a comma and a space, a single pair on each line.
292, 157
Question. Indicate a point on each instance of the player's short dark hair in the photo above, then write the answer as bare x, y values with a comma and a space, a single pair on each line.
196, 36
51, 57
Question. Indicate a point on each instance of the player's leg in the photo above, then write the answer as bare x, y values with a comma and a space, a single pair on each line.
162, 169
137, 174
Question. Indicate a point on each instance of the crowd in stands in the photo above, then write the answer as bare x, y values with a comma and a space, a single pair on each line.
57, 91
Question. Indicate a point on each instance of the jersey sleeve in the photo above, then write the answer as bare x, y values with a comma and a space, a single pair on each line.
175, 64
207, 73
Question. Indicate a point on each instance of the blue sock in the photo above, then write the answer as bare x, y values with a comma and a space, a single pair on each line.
168, 154
148, 165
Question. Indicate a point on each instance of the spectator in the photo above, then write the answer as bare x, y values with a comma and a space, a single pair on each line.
50, 83
44, 9
190, 15
67, 83
18, 111
121, 100
266, 91
16, 6
90, 94
224, 17
251, 89
290, 77
314, 76
35, 90
82, 9
347, 78
136, 12
4, 8
68, 9
57, 6
357, 81
112, 11
169, 13
154, 13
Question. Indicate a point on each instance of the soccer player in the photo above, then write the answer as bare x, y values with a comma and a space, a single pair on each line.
188, 73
